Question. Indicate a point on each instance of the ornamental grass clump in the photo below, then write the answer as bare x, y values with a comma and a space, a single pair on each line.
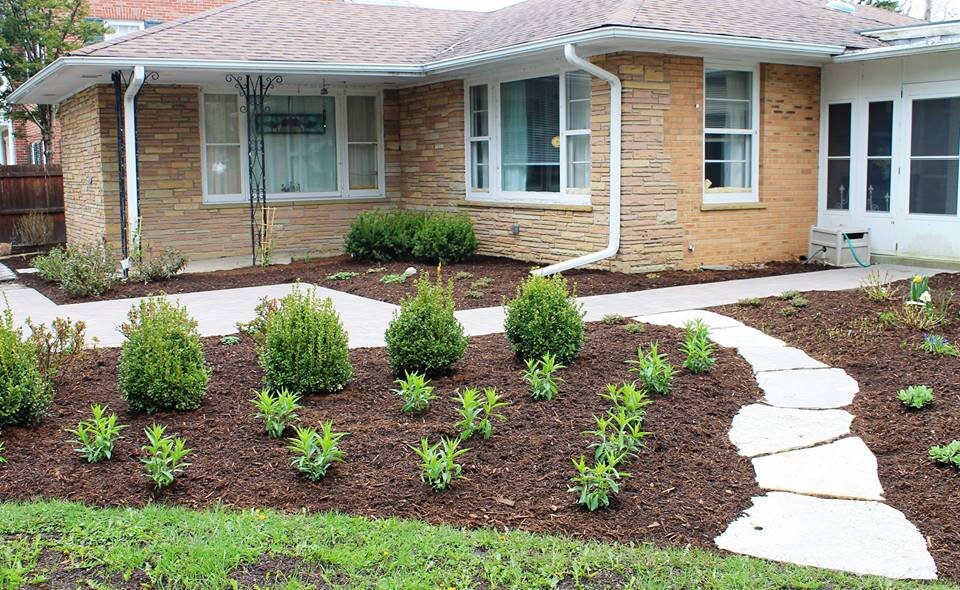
697, 347
26, 392
947, 454
477, 413
915, 396
314, 453
304, 346
438, 463
424, 336
166, 456
162, 366
277, 409
542, 378
544, 318
415, 391
98, 435
653, 369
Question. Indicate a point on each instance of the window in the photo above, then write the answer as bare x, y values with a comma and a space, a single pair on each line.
37, 157
315, 147
119, 28
730, 121
838, 156
879, 155
529, 140
935, 156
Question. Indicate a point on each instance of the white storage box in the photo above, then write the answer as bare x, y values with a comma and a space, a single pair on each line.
836, 246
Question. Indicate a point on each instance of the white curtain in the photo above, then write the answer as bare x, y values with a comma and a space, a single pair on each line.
363, 142
298, 162
513, 117
222, 144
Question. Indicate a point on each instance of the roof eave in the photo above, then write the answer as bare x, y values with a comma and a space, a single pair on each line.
896, 51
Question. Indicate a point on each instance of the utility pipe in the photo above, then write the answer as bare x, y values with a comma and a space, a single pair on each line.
616, 98
130, 157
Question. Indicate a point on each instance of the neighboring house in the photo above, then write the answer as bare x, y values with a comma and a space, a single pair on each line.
123, 17
664, 133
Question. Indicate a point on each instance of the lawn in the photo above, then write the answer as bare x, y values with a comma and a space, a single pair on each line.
62, 545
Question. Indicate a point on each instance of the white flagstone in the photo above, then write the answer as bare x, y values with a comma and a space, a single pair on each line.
759, 429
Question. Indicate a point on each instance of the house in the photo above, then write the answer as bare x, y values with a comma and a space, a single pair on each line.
24, 144
629, 134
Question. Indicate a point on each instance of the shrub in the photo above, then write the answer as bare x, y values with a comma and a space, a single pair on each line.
25, 389
946, 455
540, 374
915, 396
151, 267
438, 463
98, 435
476, 413
304, 347
445, 238
34, 229
415, 391
165, 456
314, 453
697, 347
277, 410
53, 345
653, 369
79, 270
938, 345
597, 483
545, 318
162, 366
383, 234
424, 336
255, 327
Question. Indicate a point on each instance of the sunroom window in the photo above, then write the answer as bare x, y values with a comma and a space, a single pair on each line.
730, 132
529, 139
839, 120
935, 156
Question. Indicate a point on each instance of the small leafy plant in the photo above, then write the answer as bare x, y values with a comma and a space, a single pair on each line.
613, 319
598, 482
628, 397
920, 290
476, 413
750, 302
541, 376
697, 348
315, 452
788, 311
394, 279
653, 369
277, 409
3, 449
789, 295
343, 275
947, 454
799, 302
376, 270
463, 276
415, 391
438, 463
634, 328
618, 434
938, 345
97, 436
878, 288
165, 456
915, 396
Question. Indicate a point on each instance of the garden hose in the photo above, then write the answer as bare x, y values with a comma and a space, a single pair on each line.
854, 252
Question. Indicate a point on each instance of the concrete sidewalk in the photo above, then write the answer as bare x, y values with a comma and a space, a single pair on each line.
366, 320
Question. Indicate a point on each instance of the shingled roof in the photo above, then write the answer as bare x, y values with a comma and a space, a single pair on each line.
326, 31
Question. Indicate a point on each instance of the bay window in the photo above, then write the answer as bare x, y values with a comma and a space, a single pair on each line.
528, 140
730, 124
315, 147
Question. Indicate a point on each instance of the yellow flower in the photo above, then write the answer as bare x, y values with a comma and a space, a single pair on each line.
918, 279
262, 516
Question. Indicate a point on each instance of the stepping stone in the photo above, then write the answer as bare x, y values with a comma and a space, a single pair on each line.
6, 274
759, 429
677, 319
744, 337
843, 469
808, 388
777, 358
865, 538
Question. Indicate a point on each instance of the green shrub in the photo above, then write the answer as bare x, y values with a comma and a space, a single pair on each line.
383, 235
445, 238
544, 318
915, 396
150, 267
25, 389
304, 347
653, 369
162, 366
424, 335
80, 270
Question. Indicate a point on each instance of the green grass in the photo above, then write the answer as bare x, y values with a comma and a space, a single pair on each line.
179, 548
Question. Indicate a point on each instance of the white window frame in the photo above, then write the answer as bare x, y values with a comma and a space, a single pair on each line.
566, 196
909, 158
855, 168
343, 190
114, 23
720, 195
867, 158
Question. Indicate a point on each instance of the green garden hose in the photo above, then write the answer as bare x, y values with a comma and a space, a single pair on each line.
854, 252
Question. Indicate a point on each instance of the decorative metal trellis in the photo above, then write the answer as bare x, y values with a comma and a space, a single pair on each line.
254, 90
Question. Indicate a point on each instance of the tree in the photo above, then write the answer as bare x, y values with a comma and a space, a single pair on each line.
34, 34
893, 5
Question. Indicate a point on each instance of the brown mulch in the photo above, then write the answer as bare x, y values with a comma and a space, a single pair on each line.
841, 329
504, 275
685, 488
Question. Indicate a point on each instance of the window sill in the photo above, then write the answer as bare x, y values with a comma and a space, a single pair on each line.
526, 205
731, 206
294, 202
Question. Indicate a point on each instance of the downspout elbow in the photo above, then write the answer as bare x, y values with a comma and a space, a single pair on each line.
616, 101
130, 156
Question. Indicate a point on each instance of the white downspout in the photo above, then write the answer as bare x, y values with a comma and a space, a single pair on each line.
130, 157
616, 97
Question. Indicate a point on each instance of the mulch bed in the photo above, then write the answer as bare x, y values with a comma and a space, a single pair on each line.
504, 274
841, 329
685, 488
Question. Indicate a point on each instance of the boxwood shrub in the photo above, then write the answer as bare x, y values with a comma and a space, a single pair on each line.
25, 391
400, 234
424, 335
544, 318
445, 239
162, 366
304, 346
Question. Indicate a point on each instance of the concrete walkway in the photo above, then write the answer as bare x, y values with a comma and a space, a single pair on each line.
366, 320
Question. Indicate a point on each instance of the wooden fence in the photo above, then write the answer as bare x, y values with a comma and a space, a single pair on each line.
31, 189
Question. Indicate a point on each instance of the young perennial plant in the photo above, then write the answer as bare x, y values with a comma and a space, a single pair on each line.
277, 410
541, 376
938, 345
476, 413
628, 397
915, 396
947, 454
315, 452
653, 369
415, 391
97, 436
165, 456
438, 463
698, 348
598, 482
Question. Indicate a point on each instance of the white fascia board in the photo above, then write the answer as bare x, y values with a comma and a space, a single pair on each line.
897, 51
